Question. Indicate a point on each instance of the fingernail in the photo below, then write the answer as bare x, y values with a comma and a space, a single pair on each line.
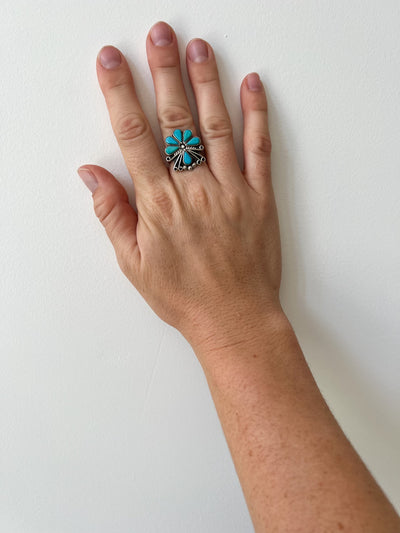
198, 51
88, 178
110, 57
253, 82
161, 34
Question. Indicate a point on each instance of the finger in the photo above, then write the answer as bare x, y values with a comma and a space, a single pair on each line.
215, 124
114, 211
163, 56
256, 138
128, 121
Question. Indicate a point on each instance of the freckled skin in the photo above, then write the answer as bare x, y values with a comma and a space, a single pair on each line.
203, 249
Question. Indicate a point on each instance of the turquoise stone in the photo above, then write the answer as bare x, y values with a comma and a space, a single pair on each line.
171, 140
193, 142
178, 135
187, 159
186, 135
171, 149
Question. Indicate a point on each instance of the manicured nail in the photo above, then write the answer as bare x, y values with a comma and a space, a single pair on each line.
161, 34
110, 57
198, 51
88, 178
253, 82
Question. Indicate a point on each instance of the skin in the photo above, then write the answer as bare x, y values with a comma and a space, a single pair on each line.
203, 249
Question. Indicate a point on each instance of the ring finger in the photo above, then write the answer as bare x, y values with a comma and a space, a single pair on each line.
215, 124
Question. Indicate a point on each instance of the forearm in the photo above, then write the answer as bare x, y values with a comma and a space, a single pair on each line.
296, 467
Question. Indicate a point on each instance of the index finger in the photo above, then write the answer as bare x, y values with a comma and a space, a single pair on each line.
129, 123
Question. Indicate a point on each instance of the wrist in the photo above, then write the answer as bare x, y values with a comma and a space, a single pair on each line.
239, 335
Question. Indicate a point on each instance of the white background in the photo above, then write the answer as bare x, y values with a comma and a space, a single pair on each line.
107, 424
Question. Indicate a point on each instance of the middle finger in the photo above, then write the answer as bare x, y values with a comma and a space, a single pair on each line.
173, 109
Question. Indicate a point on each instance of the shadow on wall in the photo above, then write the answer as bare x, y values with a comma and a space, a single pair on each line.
368, 419
353, 393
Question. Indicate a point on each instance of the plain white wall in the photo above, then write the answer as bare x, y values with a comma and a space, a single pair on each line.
106, 419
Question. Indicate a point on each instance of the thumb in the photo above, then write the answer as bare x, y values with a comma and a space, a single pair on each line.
112, 208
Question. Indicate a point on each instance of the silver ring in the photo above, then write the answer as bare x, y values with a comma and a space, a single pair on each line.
185, 149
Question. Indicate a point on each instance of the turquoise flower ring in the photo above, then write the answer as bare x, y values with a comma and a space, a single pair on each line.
185, 150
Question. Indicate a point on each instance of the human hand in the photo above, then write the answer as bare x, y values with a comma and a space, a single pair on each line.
203, 248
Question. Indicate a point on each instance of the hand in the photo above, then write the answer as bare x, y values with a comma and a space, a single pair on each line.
203, 248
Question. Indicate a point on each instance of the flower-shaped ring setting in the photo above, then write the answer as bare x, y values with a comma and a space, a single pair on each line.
185, 149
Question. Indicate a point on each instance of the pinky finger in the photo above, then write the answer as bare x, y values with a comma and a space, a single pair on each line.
112, 208
256, 138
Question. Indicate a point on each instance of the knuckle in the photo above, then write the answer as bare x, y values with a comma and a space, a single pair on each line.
215, 127
199, 198
103, 207
234, 205
109, 211
162, 206
131, 127
263, 203
261, 145
174, 116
